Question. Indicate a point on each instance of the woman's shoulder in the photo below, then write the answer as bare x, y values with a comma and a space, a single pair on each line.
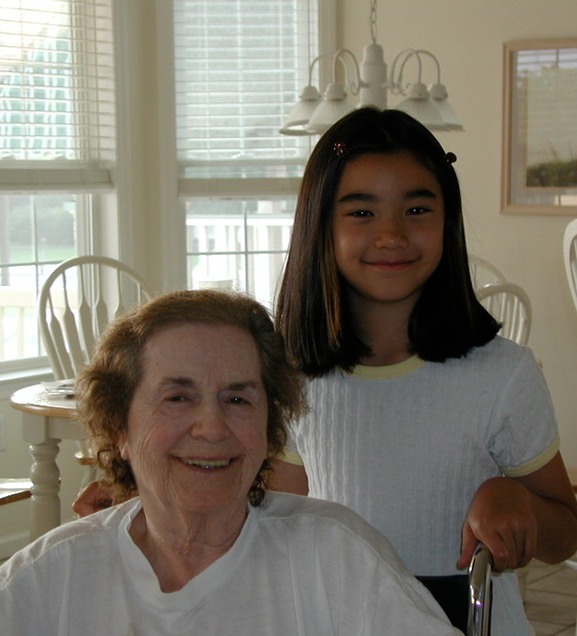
86, 537
324, 518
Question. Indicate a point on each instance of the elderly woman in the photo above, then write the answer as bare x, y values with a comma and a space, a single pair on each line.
187, 399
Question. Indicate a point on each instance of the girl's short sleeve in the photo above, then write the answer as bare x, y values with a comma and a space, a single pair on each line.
525, 434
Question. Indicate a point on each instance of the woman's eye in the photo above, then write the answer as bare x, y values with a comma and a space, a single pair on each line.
237, 399
177, 398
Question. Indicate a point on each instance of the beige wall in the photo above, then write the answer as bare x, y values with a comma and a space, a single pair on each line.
467, 36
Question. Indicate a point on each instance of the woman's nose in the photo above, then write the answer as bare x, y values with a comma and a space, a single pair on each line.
209, 423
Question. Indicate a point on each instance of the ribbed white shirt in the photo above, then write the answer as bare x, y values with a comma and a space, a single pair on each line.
406, 446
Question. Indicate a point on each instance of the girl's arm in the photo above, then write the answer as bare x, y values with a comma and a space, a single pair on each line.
92, 498
522, 518
288, 478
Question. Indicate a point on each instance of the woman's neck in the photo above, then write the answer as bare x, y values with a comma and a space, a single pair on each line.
179, 552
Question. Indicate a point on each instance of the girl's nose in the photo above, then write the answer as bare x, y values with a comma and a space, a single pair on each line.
391, 235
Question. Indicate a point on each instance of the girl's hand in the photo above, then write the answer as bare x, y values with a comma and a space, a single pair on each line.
522, 518
500, 516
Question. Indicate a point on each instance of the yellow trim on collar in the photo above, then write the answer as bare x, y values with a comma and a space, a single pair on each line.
390, 371
291, 457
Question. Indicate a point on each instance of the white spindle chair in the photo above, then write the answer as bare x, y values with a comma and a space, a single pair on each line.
77, 301
570, 257
483, 272
510, 305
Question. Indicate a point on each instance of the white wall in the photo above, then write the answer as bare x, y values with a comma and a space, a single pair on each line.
467, 36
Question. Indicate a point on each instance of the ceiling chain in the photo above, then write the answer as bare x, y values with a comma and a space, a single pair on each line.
373, 20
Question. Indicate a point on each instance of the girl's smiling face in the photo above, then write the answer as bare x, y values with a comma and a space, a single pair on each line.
196, 435
387, 227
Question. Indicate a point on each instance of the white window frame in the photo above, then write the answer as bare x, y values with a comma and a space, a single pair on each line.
248, 188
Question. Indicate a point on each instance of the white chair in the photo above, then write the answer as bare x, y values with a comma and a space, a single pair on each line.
570, 257
511, 306
76, 302
483, 273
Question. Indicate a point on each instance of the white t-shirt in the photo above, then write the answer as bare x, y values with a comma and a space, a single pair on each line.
406, 446
300, 567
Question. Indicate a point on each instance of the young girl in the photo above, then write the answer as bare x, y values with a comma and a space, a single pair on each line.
436, 430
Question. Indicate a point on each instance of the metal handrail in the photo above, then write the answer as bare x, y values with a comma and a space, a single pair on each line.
480, 593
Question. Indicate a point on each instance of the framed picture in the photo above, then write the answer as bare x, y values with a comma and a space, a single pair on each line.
540, 127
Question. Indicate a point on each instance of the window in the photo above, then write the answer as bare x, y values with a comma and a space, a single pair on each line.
57, 148
94, 142
239, 65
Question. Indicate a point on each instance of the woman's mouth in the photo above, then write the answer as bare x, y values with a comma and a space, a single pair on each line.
206, 464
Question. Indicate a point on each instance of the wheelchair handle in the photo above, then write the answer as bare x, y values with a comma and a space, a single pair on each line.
480, 593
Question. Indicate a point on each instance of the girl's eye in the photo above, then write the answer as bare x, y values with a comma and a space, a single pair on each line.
416, 211
361, 214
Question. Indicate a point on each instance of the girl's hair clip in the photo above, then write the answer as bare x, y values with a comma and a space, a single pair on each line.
451, 157
340, 149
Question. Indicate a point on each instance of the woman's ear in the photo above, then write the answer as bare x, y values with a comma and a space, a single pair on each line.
122, 445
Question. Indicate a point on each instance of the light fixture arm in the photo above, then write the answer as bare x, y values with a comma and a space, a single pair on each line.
353, 85
435, 60
396, 81
438, 90
312, 64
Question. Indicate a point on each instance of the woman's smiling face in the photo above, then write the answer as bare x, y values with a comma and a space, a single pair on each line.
196, 435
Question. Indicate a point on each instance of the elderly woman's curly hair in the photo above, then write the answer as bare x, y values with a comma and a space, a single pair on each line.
106, 386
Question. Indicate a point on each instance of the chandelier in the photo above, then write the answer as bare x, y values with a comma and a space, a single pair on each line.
314, 114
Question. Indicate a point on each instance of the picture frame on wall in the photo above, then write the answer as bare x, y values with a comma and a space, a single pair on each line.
540, 127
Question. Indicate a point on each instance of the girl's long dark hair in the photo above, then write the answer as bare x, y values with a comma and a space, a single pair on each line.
447, 320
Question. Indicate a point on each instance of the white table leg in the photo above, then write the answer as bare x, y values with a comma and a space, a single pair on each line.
44, 424
45, 476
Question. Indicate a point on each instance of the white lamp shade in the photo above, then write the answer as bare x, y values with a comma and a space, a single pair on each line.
419, 105
334, 106
441, 98
448, 114
299, 116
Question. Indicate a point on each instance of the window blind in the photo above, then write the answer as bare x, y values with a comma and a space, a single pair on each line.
239, 65
547, 92
57, 115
